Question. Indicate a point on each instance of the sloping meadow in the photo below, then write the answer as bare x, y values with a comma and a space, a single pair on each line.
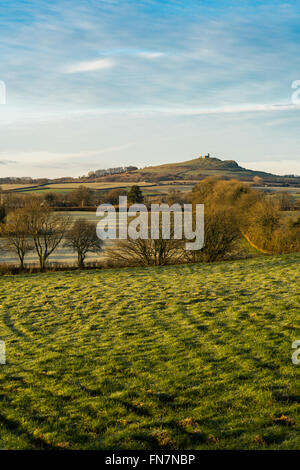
180, 357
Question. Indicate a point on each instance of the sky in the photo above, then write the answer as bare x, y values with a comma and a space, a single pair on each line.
89, 84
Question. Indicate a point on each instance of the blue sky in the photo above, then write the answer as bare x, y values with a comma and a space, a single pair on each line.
94, 84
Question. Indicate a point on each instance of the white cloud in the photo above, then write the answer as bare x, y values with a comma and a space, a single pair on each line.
231, 109
8, 162
63, 158
21, 116
151, 55
89, 66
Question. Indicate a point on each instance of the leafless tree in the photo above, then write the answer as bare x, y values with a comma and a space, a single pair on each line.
15, 232
145, 252
81, 196
82, 238
46, 228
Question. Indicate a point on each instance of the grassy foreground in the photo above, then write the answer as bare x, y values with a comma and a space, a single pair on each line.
185, 357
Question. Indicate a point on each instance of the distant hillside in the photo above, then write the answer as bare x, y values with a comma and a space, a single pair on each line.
190, 170
201, 167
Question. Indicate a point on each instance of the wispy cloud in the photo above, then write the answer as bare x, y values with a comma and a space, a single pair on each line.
196, 71
132, 52
89, 66
232, 109
108, 63
8, 162
48, 159
151, 55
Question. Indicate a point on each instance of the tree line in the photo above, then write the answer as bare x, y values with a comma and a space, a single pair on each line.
234, 211
36, 227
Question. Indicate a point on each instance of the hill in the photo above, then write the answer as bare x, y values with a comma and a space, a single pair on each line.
178, 357
199, 168
190, 170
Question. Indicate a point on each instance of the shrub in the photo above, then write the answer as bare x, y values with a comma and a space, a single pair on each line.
220, 234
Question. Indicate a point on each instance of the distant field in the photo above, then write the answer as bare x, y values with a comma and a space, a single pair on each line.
148, 188
288, 189
13, 187
99, 185
165, 188
66, 187
182, 357
44, 190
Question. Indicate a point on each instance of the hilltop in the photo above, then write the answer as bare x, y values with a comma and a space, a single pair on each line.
186, 171
201, 167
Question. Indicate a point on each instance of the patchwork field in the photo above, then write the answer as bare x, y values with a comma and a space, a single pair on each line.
186, 357
67, 187
15, 187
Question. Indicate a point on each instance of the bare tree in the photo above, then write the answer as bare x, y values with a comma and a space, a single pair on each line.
285, 200
113, 195
15, 231
46, 229
81, 196
82, 238
174, 197
146, 252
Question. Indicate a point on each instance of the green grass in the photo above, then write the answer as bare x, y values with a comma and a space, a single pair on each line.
186, 357
65, 188
47, 190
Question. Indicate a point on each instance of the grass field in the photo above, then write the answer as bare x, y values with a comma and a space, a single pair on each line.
14, 187
182, 357
149, 189
67, 187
